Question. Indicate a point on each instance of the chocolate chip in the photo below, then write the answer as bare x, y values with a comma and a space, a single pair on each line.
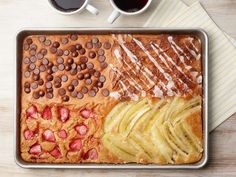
50, 64
78, 46
92, 54
60, 52
26, 47
97, 74
26, 60
45, 61
44, 51
49, 71
74, 66
49, 90
90, 65
103, 65
80, 95
101, 52
74, 94
49, 95
64, 41
72, 48
87, 76
95, 89
105, 92
66, 98
27, 90
68, 67
73, 37
73, 72
75, 82
27, 84
101, 59
54, 69
60, 60
34, 85
70, 88
83, 59
36, 71
42, 68
98, 45
61, 67
33, 47
66, 52
83, 66
84, 90
92, 93
70, 61
53, 50
78, 68
33, 59
29, 41
40, 56
102, 78
89, 45
49, 77
32, 52
42, 38
47, 42
40, 82
48, 85
88, 81
107, 45
80, 76
36, 95
75, 54
32, 66
82, 51
95, 40
56, 44
57, 79
57, 84
64, 78
100, 84
41, 93
62, 91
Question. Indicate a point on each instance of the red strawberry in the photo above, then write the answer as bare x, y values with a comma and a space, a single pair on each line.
28, 134
35, 149
85, 113
81, 129
32, 112
47, 113
56, 153
91, 154
62, 134
48, 136
64, 114
75, 145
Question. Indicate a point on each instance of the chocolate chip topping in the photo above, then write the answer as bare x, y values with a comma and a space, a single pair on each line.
70, 61
75, 82
48, 85
64, 41
64, 78
42, 68
92, 93
60, 60
107, 45
33, 59
101, 59
87, 75
66, 98
70, 88
40, 82
35, 77
105, 92
60, 52
45, 61
74, 94
29, 41
27, 84
73, 72
57, 84
89, 45
78, 46
100, 84
44, 51
33, 47
80, 95
97, 74
49, 77
62, 91
40, 56
73, 37
95, 40
26, 47
83, 66
75, 54
53, 50
84, 90
49, 71
42, 38
68, 67
66, 52
32, 66
98, 45
82, 51
88, 81
57, 79
32, 52
61, 67
47, 42
49, 95
27, 90
104, 65
56, 44
101, 52
54, 69
36, 71
41, 93
80, 76
36, 95
83, 59
34, 85
92, 54
102, 78
26, 60
90, 65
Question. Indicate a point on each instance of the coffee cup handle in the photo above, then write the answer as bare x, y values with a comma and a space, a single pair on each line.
92, 9
114, 15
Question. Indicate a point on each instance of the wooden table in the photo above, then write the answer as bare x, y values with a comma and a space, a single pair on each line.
16, 14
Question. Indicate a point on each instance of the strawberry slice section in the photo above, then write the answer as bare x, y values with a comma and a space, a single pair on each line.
62, 134
48, 136
75, 145
28, 134
64, 114
35, 149
32, 112
47, 113
85, 113
56, 153
81, 129
91, 154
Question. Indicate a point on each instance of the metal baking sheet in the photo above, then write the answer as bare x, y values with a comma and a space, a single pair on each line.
53, 31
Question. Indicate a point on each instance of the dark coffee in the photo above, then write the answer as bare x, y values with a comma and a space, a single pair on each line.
130, 5
68, 5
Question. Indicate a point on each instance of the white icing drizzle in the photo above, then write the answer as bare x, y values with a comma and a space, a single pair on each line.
194, 74
199, 79
157, 92
193, 53
115, 95
191, 42
133, 96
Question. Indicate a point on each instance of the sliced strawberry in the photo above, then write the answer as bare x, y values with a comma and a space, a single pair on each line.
81, 129
85, 113
56, 153
32, 112
75, 145
64, 114
48, 136
62, 134
35, 149
47, 113
91, 154
28, 134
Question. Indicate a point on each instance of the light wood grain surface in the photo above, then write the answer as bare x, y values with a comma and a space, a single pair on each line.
16, 14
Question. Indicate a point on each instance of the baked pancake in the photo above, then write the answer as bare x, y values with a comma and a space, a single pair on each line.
116, 98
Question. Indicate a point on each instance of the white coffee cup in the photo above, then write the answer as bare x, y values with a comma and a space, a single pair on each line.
86, 6
117, 11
